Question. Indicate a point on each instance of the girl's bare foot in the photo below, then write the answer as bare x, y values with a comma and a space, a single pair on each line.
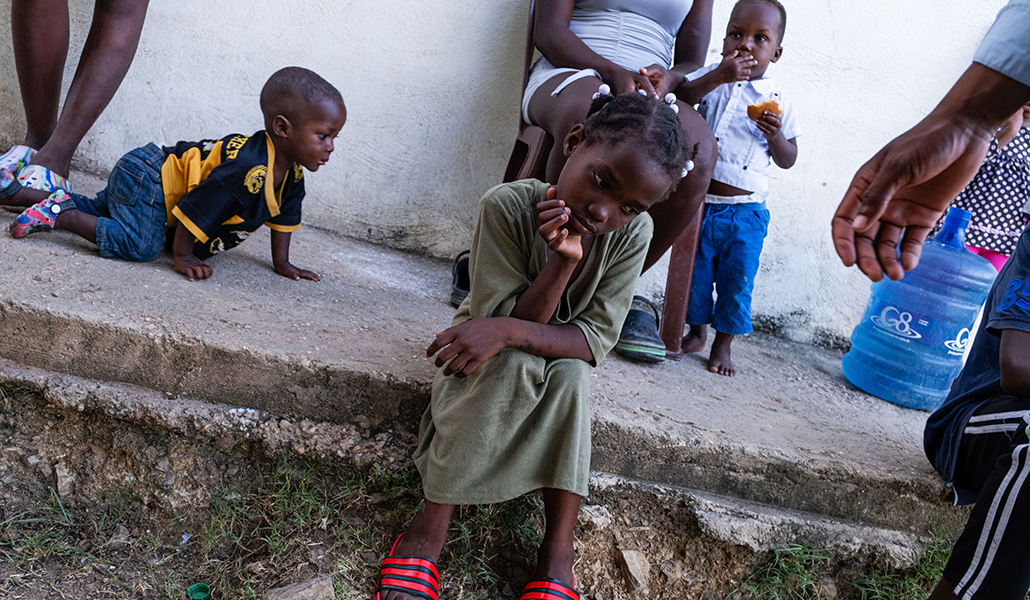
695, 339
719, 360
556, 563
425, 538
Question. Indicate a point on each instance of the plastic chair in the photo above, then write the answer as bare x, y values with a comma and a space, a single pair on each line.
529, 160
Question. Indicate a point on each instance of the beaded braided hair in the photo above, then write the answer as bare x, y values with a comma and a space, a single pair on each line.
646, 119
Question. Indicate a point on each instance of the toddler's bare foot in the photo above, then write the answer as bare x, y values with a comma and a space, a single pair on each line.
695, 339
719, 360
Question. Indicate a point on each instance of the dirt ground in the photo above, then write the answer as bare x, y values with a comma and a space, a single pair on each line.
95, 508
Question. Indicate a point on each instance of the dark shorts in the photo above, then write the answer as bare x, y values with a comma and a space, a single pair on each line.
991, 559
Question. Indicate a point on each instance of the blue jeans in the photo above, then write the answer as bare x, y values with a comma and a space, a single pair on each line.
727, 259
130, 211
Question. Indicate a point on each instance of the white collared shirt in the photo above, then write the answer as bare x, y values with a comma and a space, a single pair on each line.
744, 158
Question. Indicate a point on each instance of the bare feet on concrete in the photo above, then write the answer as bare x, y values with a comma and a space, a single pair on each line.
695, 339
719, 360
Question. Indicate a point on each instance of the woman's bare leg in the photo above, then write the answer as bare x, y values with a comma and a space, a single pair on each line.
39, 32
106, 56
559, 114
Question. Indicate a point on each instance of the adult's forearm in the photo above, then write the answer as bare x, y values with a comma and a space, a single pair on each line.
559, 45
982, 99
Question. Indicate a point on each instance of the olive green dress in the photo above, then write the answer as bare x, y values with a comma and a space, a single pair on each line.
521, 422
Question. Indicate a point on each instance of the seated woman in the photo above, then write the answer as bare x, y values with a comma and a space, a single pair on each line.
629, 45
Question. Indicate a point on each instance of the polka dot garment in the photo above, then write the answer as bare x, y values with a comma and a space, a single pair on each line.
997, 194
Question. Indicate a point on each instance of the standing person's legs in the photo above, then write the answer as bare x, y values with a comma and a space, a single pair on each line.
991, 559
701, 304
106, 56
39, 33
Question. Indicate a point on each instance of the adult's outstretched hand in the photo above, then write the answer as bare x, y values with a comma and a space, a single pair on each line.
896, 198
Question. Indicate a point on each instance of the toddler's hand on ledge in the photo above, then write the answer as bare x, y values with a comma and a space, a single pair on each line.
192, 267
295, 273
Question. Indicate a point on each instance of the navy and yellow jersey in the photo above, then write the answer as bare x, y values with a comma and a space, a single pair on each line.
216, 188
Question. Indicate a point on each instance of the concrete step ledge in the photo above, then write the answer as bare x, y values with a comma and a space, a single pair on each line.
349, 351
619, 514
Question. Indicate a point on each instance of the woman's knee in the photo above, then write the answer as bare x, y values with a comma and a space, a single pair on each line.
701, 136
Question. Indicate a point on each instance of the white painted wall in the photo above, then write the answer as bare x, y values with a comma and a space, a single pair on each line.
432, 93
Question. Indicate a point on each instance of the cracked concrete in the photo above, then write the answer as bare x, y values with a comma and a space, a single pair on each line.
788, 432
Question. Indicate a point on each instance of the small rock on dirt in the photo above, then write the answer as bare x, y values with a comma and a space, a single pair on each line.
64, 481
121, 538
636, 567
595, 517
320, 588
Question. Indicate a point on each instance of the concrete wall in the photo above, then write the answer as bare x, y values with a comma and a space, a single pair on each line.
432, 90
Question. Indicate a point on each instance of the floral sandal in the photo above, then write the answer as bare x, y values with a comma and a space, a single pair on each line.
412, 575
11, 165
42, 215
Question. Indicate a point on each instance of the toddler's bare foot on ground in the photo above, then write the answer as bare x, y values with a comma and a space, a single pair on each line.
719, 360
695, 339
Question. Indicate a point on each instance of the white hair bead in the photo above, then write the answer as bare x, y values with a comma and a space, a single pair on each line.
604, 89
670, 99
642, 92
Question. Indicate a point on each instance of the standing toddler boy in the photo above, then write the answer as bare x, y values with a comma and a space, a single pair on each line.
754, 125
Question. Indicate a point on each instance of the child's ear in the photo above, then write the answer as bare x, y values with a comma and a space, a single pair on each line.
776, 55
281, 126
573, 140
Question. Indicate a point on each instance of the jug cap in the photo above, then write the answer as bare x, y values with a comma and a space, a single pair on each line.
953, 232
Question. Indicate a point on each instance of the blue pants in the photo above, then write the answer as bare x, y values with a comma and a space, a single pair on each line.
132, 221
727, 259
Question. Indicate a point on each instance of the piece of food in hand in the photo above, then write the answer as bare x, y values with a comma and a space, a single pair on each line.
755, 111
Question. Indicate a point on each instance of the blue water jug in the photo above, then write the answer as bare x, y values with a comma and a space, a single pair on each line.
908, 347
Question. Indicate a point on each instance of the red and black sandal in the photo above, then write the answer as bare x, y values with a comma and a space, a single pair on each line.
413, 575
548, 589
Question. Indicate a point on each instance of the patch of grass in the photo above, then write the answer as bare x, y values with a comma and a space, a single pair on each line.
913, 583
796, 572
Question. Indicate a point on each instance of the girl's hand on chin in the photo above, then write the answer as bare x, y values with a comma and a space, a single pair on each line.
552, 217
